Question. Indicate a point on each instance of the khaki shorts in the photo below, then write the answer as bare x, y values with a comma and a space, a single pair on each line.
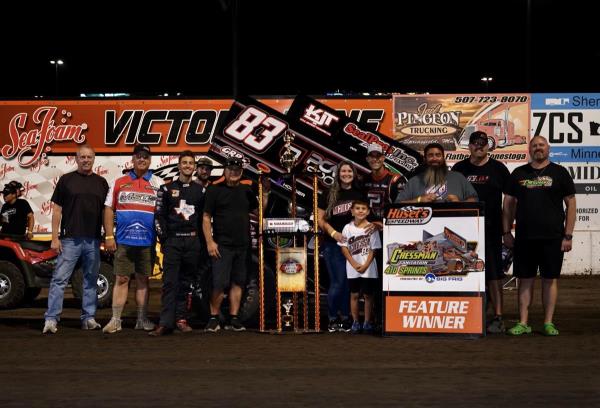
133, 259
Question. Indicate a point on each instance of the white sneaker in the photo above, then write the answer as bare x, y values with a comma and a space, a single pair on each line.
90, 324
144, 324
50, 327
113, 326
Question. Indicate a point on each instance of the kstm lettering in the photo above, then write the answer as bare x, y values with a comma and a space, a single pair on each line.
319, 117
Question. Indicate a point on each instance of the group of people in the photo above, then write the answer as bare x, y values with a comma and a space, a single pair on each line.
197, 223
539, 195
200, 225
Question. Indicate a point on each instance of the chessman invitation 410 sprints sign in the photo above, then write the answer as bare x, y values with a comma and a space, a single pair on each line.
434, 269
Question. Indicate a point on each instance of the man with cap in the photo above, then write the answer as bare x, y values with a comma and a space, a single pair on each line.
226, 224
16, 215
133, 198
179, 228
490, 178
381, 188
18, 186
436, 183
203, 171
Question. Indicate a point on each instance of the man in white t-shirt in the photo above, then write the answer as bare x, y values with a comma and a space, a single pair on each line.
361, 270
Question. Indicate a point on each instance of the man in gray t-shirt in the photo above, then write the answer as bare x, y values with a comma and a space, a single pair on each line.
436, 182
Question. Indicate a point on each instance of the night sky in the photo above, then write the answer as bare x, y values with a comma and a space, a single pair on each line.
299, 46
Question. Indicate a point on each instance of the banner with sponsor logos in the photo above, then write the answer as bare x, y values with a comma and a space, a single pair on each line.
39, 138
571, 122
434, 269
450, 120
321, 137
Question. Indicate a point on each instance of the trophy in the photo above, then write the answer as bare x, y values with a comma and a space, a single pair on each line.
291, 276
288, 318
288, 158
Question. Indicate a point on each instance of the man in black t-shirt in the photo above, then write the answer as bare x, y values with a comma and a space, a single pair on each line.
78, 205
490, 178
536, 194
226, 225
16, 214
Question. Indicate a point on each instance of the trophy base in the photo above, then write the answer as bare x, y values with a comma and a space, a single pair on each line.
288, 332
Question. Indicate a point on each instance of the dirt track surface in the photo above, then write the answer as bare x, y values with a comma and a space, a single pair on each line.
75, 368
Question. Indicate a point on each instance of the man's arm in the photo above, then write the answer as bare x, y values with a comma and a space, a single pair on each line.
571, 204
56, 218
30, 224
109, 226
211, 245
160, 218
508, 217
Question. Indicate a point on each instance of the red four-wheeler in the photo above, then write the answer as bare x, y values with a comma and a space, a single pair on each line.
26, 267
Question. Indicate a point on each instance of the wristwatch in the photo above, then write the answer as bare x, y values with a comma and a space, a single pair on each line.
568, 237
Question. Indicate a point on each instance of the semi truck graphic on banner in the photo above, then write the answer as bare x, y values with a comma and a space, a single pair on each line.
451, 119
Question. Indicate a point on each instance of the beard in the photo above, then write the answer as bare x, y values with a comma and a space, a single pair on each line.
435, 175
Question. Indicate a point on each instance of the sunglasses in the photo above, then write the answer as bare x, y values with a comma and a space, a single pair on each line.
480, 142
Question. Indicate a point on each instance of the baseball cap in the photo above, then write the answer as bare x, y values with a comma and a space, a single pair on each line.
204, 161
477, 137
234, 162
375, 148
8, 189
16, 185
141, 148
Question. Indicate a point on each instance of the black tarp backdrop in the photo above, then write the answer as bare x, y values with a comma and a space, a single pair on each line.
299, 46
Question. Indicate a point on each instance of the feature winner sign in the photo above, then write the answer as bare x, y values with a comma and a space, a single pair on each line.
434, 269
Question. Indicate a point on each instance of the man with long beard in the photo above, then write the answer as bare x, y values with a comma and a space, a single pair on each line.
436, 183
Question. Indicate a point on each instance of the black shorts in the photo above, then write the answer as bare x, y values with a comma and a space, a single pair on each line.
531, 254
493, 259
367, 286
230, 268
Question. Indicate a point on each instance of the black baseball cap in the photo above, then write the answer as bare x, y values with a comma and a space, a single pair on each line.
141, 148
234, 162
477, 137
204, 161
16, 185
9, 189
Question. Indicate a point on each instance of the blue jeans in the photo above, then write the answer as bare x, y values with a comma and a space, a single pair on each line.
338, 296
88, 249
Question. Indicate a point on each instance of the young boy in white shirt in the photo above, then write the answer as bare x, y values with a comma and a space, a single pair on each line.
361, 269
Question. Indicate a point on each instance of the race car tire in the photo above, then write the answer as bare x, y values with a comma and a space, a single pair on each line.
12, 285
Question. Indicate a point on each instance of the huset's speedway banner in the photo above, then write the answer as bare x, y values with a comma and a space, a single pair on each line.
39, 138
572, 124
450, 120
434, 269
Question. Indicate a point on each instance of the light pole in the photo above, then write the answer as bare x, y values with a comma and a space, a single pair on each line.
56, 63
486, 80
